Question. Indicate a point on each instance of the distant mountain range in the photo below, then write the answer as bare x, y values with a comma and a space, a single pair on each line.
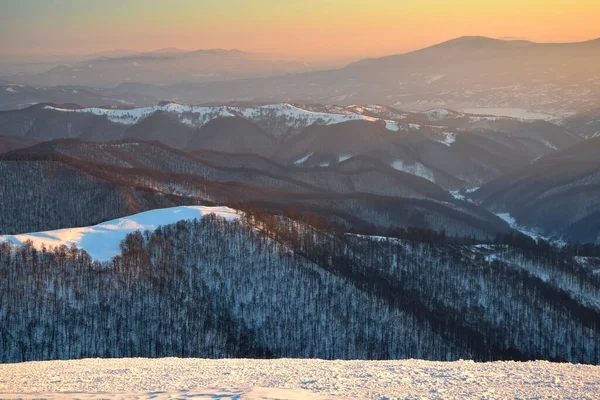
455, 150
498, 76
16, 96
464, 73
354, 164
164, 66
353, 153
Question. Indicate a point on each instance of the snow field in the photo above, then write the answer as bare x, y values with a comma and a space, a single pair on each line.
297, 379
102, 241
196, 116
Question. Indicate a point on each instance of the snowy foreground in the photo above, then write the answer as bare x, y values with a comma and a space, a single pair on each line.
296, 379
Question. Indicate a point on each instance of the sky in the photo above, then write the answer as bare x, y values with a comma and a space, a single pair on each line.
300, 29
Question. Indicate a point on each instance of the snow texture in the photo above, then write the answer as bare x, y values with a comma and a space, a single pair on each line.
303, 159
196, 116
296, 379
513, 224
344, 157
532, 234
461, 194
190, 115
416, 168
433, 78
517, 113
102, 241
448, 139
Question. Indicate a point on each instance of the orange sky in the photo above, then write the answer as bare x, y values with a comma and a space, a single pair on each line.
307, 29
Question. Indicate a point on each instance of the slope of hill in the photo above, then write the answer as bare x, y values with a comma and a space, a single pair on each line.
585, 124
10, 143
128, 177
233, 135
280, 120
453, 152
262, 285
161, 126
135, 154
16, 96
523, 78
42, 121
162, 67
452, 149
102, 242
557, 195
464, 73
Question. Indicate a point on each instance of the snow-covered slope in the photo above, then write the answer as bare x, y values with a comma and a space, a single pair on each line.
415, 168
297, 113
189, 115
290, 117
102, 241
296, 379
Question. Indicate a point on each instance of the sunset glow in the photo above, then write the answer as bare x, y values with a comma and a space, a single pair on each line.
346, 29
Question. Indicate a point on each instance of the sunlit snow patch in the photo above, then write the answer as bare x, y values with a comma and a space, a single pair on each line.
534, 235
448, 139
103, 241
196, 116
460, 194
417, 169
392, 126
189, 115
169, 378
430, 79
344, 157
303, 159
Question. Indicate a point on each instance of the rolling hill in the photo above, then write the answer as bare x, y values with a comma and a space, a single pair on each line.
453, 149
463, 73
557, 195
126, 177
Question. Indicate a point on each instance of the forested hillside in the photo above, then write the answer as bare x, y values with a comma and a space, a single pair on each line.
129, 177
270, 286
557, 195
453, 149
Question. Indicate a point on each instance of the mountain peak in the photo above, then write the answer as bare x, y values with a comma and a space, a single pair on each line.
167, 50
480, 41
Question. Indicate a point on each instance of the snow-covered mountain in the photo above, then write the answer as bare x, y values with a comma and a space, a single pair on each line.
102, 241
281, 120
454, 149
